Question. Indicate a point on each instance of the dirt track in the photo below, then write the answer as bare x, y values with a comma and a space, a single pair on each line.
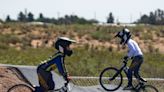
9, 77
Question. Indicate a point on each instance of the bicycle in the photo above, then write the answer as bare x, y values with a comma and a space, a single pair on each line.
111, 79
31, 88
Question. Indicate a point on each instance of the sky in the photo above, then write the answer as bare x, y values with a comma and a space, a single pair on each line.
124, 11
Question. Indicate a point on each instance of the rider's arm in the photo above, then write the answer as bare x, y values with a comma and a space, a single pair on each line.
56, 62
60, 65
131, 49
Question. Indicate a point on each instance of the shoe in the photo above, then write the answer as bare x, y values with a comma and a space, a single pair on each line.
129, 87
143, 80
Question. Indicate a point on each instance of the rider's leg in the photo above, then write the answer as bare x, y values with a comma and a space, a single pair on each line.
139, 60
131, 69
43, 77
129, 75
50, 82
38, 89
41, 80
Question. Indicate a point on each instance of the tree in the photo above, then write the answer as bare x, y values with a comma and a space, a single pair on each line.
152, 18
21, 17
1, 21
159, 14
144, 19
8, 19
155, 18
67, 19
41, 18
110, 18
30, 17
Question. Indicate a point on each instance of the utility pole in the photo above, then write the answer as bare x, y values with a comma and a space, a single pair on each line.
140, 14
95, 15
117, 20
131, 18
58, 15
25, 12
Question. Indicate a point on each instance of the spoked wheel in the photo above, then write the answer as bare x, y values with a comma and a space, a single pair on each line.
148, 88
110, 79
21, 88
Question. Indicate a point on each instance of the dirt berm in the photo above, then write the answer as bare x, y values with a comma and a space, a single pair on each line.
10, 76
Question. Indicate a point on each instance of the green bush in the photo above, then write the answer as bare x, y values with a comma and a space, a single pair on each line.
9, 38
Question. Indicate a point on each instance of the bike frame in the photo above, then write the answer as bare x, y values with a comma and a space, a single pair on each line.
65, 86
120, 70
140, 83
118, 73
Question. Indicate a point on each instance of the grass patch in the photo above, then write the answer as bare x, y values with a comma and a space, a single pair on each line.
84, 61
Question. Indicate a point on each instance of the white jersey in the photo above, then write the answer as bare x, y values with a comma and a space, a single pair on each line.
133, 48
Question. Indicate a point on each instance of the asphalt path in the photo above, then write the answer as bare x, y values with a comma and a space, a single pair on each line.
30, 74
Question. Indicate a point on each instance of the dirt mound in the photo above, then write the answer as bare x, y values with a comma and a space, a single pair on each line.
9, 77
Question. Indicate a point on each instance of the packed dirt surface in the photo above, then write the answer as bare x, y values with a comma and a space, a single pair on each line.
9, 77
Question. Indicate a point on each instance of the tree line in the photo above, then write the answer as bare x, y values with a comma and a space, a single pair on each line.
67, 19
155, 18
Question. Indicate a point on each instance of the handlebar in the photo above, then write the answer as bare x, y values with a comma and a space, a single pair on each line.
124, 60
68, 79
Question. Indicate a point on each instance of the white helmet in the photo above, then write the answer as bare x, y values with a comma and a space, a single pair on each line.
124, 35
66, 39
62, 43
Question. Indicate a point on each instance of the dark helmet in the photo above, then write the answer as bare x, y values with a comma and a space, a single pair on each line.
124, 35
64, 43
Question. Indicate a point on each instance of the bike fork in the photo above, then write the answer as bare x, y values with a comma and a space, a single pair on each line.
115, 75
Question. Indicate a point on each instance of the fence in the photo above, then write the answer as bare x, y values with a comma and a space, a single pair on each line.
91, 81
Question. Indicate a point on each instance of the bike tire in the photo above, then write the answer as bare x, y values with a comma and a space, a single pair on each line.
148, 88
21, 88
106, 74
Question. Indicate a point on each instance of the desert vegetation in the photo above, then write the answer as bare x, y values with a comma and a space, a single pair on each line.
29, 44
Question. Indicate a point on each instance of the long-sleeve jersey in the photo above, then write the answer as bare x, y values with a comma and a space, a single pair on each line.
133, 49
56, 60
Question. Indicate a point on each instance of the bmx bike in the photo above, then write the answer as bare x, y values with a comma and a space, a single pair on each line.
111, 79
31, 88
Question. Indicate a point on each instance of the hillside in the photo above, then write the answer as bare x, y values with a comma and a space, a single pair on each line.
150, 38
96, 49
9, 77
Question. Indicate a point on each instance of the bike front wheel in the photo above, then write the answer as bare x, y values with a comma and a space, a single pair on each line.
110, 79
21, 88
148, 88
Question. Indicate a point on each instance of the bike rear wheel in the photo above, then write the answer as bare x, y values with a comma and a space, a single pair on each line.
21, 88
148, 88
110, 79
